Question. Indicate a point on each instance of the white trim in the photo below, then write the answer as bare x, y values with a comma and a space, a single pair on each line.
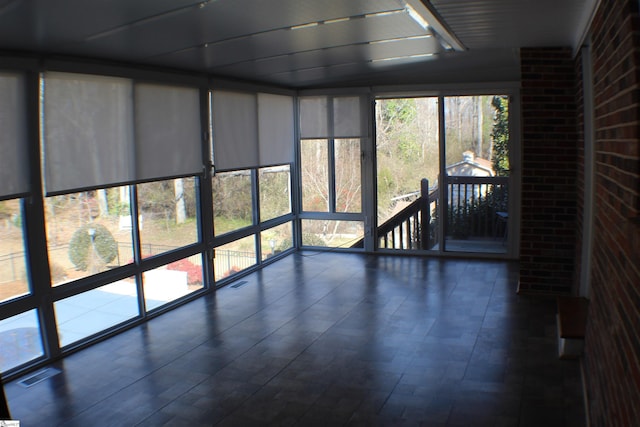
584, 25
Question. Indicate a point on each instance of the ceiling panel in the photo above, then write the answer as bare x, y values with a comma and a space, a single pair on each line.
482, 24
288, 42
334, 57
51, 24
252, 39
219, 21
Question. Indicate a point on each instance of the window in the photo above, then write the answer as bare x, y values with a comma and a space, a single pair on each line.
172, 281
90, 312
276, 240
20, 340
275, 191
167, 215
232, 201
348, 175
14, 184
332, 133
314, 165
331, 234
87, 233
234, 257
13, 267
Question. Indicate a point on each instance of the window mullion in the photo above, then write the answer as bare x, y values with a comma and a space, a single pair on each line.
332, 174
331, 156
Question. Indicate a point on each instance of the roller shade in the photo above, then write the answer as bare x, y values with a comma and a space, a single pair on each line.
101, 131
347, 121
88, 131
331, 117
235, 130
251, 130
14, 162
275, 129
167, 128
314, 120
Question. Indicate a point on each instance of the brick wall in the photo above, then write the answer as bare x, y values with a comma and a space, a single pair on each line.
612, 345
549, 159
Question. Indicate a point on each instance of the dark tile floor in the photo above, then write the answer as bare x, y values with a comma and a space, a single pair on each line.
328, 340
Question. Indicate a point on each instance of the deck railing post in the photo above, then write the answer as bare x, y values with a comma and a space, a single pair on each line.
425, 214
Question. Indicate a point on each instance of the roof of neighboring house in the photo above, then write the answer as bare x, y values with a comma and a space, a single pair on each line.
471, 166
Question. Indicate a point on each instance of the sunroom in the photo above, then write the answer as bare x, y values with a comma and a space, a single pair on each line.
162, 156
142, 170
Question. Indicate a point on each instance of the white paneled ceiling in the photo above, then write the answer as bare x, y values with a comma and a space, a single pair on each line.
298, 43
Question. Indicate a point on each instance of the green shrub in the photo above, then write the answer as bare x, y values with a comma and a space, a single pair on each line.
81, 247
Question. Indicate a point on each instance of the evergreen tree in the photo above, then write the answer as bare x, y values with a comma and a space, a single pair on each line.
500, 135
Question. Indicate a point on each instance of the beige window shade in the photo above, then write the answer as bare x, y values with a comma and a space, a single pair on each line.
251, 130
332, 117
168, 133
101, 131
14, 162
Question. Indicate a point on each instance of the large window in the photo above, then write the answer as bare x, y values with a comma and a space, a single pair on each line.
252, 146
237, 196
121, 164
332, 134
116, 218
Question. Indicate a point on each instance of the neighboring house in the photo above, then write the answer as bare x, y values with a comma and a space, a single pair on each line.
470, 166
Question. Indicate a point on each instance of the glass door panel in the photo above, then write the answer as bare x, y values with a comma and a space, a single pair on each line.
476, 173
407, 159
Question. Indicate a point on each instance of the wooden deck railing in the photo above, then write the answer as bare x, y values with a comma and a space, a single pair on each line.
473, 203
411, 227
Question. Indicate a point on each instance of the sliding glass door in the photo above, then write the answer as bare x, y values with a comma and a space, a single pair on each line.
443, 174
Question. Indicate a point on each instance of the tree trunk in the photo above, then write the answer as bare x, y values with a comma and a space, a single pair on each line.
103, 203
181, 208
